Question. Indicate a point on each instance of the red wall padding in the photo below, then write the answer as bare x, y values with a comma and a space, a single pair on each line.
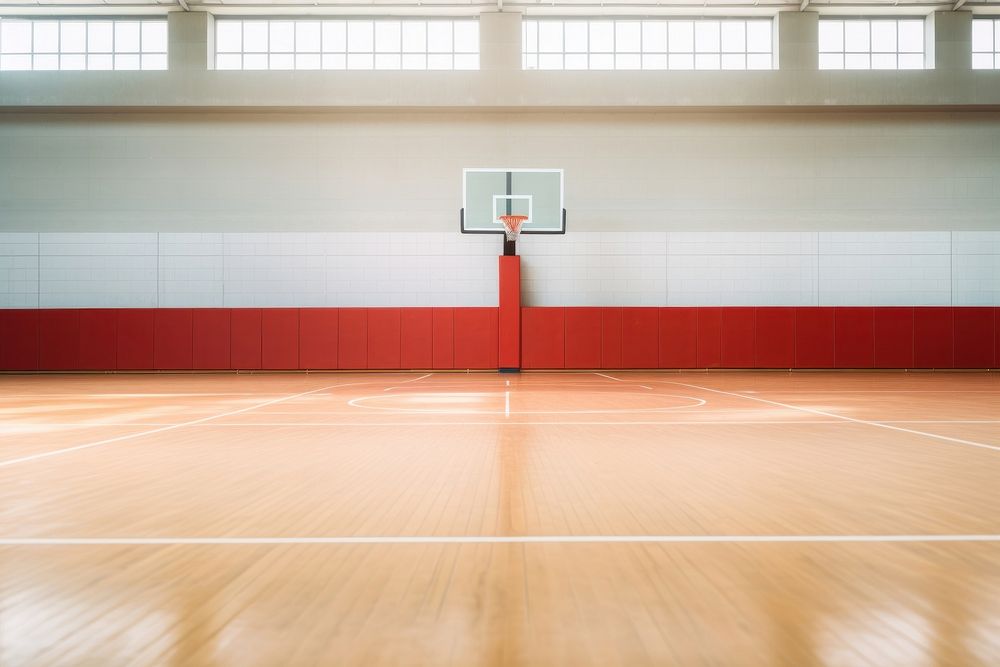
893, 337
136, 335
974, 337
211, 338
678, 338
19, 340
543, 338
416, 337
173, 339
352, 348
318, 338
583, 337
611, 337
98, 345
383, 338
357, 338
814, 337
738, 337
709, 348
59, 339
245, 335
933, 338
443, 338
640, 337
475, 343
279, 338
854, 337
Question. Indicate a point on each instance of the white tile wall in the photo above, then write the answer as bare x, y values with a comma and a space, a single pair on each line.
450, 269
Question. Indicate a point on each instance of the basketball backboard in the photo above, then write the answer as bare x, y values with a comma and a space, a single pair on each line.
490, 193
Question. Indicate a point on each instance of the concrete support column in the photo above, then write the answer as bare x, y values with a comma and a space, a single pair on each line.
797, 41
191, 41
500, 41
949, 37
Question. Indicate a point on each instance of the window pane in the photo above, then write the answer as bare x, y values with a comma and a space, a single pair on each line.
466, 61
282, 39
334, 36
831, 61
576, 61
73, 62
154, 61
979, 61
439, 61
11, 62
857, 61
681, 37
759, 36
576, 36
602, 61
856, 37
100, 61
414, 38
602, 37
734, 61
228, 61
831, 35
127, 61
628, 61
360, 39
982, 35
334, 61
306, 60
550, 61
884, 36
228, 36
100, 36
439, 37
883, 61
734, 37
911, 36
654, 61
467, 36
387, 61
154, 37
15, 37
681, 61
72, 37
654, 37
46, 37
706, 37
282, 61
550, 37
911, 61
627, 36
387, 39
254, 61
759, 61
126, 37
706, 61
255, 36
414, 61
360, 60
45, 62
307, 38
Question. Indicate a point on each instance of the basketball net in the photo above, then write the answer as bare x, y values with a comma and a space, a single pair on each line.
512, 225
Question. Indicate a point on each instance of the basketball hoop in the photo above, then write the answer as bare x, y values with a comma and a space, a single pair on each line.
512, 225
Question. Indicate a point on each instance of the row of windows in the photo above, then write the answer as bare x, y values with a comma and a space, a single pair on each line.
83, 44
353, 44
419, 44
628, 44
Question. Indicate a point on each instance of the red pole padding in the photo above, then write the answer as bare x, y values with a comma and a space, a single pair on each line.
510, 312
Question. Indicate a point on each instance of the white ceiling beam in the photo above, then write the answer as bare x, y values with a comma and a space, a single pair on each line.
802, 7
184, 5
958, 5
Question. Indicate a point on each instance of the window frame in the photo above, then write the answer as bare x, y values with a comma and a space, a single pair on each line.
994, 51
825, 64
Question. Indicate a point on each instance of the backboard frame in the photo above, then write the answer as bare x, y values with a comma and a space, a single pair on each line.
500, 229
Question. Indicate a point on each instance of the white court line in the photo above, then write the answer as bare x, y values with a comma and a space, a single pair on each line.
408, 382
488, 539
108, 441
958, 441
506, 404
620, 380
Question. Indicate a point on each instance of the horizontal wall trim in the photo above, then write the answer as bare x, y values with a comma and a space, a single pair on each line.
808, 337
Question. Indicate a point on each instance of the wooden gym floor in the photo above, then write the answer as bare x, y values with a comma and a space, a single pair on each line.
722, 519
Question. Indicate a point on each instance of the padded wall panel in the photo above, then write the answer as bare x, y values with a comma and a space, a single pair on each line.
136, 335
543, 337
416, 338
640, 337
245, 338
678, 338
974, 338
814, 337
583, 337
383, 338
933, 338
996, 333
279, 338
611, 337
59, 339
443, 338
709, 354
173, 339
738, 338
854, 332
211, 338
894, 337
775, 334
352, 343
475, 338
18, 340
318, 335
98, 340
